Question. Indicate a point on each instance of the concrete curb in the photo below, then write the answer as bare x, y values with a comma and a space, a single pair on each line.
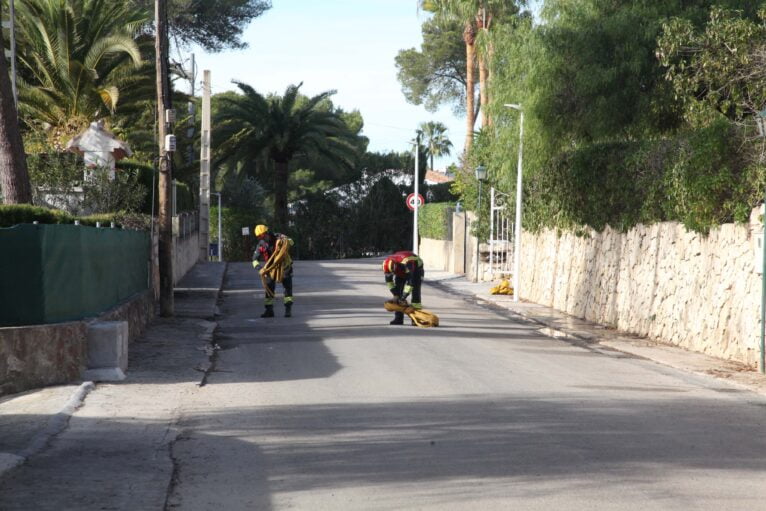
549, 329
666, 355
200, 301
56, 424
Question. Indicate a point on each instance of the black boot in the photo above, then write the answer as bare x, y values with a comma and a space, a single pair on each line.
289, 309
269, 312
398, 319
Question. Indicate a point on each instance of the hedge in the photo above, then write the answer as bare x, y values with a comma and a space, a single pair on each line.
434, 220
14, 214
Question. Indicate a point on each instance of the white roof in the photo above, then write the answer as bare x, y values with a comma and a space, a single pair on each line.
98, 145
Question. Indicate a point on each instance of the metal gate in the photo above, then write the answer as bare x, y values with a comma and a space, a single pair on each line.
500, 235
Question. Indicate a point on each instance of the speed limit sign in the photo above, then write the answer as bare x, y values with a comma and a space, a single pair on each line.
411, 201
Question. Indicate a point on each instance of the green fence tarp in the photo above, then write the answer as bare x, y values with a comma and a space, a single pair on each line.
54, 273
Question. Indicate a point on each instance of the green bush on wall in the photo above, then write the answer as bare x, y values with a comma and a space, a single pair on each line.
236, 247
184, 197
15, 214
435, 220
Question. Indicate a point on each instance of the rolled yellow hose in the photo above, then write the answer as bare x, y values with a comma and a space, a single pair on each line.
421, 318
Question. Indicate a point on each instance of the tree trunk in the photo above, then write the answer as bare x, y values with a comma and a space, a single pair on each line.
14, 177
484, 90
490, 60
483, 22
166, 162
469, 36
280, 195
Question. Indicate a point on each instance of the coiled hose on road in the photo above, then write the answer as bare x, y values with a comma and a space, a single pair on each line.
421, 318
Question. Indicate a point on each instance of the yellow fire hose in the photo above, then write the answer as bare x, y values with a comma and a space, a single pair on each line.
421, 318
276, 265
504, 288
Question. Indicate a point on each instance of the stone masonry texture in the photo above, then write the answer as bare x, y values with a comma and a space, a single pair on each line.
660, 281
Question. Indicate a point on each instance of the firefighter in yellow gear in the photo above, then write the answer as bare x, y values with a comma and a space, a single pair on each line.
264, 251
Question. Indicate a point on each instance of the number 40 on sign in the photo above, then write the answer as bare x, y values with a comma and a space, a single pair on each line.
411, 201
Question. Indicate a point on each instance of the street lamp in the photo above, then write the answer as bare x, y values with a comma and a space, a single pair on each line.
761, 123
417, 194
481, 175
517, 234
220, 234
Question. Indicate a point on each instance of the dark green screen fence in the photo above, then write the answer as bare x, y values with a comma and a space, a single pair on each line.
54, 273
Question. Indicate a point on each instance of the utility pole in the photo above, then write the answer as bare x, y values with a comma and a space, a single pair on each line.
204, 171
192, 111
164, 105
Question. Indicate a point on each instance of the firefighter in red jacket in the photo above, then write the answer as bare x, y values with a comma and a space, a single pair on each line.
404, 276
267, 241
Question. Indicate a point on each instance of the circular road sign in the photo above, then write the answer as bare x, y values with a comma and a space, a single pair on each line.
411, 201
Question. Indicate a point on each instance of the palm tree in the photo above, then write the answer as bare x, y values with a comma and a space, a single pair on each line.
434, 135
79, 60
14, 178
274, 130
446, 9
477, 17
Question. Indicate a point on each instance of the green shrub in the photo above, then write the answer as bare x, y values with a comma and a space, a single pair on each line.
185, 199
435, 220
14, 214
441, 192
235, 246
380, 222
54, 172
321, 228
103, 194
147, 177
697, 177
124, 219
708, 183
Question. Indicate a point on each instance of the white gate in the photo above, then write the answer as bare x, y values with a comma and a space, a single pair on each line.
500, 235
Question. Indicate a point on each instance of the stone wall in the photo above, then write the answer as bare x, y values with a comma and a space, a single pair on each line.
37, 356
40, 355
186, 250
663, 282
185, 255
138, 312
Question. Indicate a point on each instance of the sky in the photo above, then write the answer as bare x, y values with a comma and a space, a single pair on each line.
343, 45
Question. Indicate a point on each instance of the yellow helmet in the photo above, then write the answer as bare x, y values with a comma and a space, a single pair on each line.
260, 229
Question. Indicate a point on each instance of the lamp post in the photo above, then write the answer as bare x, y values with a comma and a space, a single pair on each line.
417, 195
220, 234
481, 175
517, 229
761, 123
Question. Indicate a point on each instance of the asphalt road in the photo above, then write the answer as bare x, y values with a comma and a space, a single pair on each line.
334, 409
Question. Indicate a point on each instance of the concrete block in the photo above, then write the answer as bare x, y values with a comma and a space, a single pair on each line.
108, 348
